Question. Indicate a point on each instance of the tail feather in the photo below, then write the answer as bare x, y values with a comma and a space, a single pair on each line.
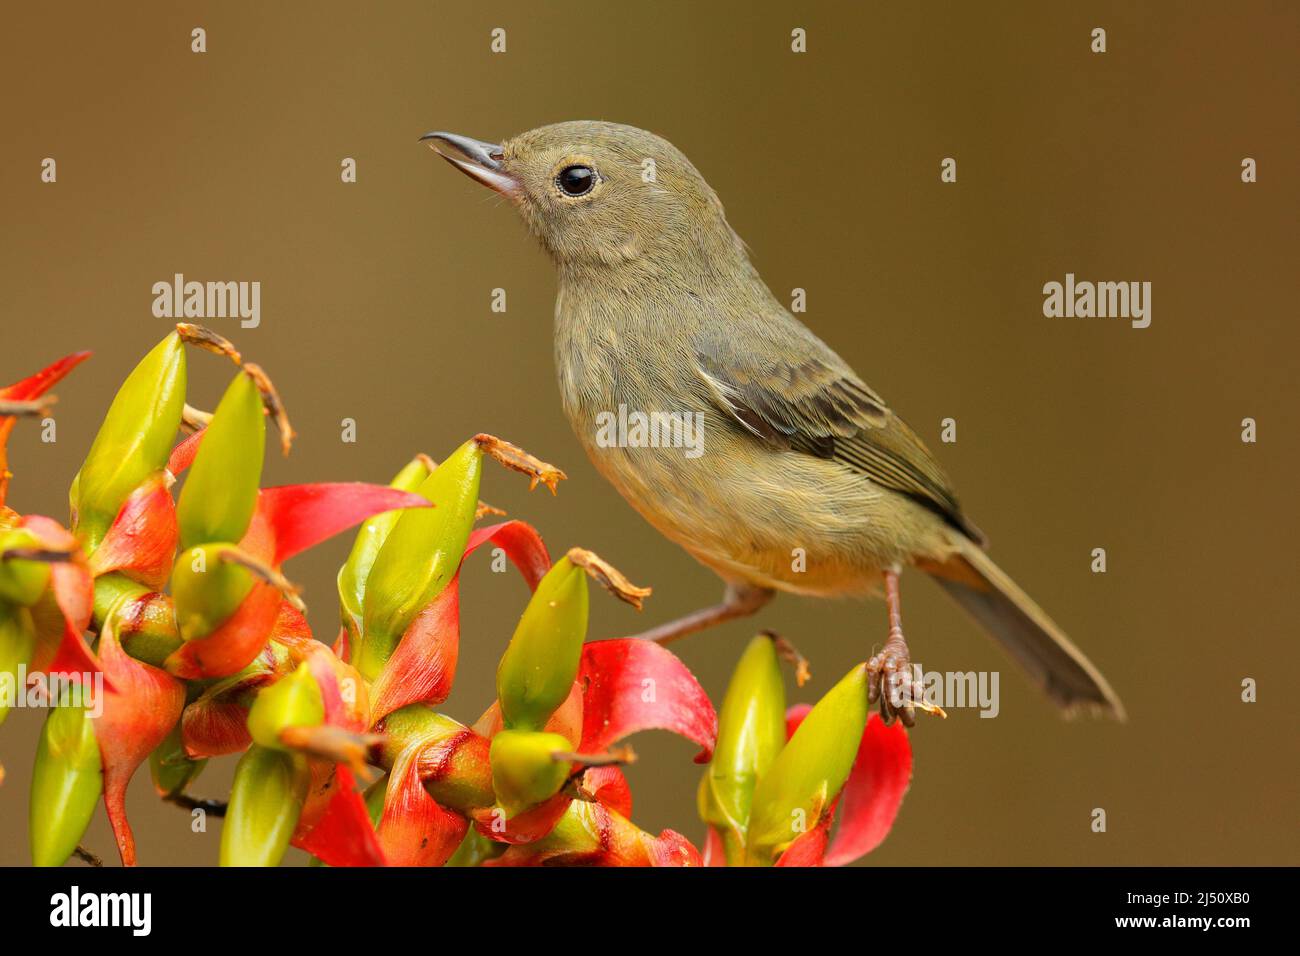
1025, 630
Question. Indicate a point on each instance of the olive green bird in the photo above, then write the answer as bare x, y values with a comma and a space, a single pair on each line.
659, 310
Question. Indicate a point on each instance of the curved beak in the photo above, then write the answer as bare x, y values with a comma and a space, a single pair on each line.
476, 159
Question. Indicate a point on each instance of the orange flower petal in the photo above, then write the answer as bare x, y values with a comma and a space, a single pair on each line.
233, 645
414, 829
138, 713
343, 836
141, 542
423, 666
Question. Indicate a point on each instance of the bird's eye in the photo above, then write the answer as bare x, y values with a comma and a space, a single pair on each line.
576, 180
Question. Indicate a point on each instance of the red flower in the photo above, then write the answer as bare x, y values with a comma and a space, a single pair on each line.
868, 804
287, 521
28, 390
140, 710
423, 667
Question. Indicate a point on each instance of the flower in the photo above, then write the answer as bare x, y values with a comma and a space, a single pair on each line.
782, 779
183, 606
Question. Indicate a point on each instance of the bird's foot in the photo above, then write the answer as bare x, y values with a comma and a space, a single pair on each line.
891, 679
894, 685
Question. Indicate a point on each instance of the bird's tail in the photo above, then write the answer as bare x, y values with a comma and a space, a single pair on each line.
1025, 630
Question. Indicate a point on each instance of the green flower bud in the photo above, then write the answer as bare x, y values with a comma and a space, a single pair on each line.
148, 629
220, 492
265, 802
375, 796
111, 588
751, 732
419, 557
464, 779
476, 849
524, 770
134, 441
17, 640
207, 590
810, 771
66, 783
415, 722
537, 670
370, 538
292, 701
22, 581
172, 771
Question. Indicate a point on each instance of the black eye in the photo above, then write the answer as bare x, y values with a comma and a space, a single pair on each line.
576, 180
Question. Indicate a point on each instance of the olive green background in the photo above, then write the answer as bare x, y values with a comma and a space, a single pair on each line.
1073, 434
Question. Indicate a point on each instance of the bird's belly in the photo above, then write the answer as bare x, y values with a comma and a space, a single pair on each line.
783, 520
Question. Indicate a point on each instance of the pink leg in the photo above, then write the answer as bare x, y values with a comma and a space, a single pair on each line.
891, 670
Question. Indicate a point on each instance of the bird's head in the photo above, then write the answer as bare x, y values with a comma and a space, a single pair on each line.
601, 195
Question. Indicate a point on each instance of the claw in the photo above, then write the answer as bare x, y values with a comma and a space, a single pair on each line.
892, 683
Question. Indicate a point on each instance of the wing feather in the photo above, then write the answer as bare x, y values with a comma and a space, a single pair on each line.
818, 406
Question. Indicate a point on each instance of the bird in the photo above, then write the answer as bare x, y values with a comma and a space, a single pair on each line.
659, 311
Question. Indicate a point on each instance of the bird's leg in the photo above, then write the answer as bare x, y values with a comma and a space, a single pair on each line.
739, 600
890, 671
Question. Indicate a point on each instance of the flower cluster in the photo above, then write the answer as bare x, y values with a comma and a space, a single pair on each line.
180, 639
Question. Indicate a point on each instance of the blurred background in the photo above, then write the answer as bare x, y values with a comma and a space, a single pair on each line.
1073, 434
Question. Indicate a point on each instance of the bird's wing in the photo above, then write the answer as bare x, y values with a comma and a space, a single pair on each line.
789, 389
